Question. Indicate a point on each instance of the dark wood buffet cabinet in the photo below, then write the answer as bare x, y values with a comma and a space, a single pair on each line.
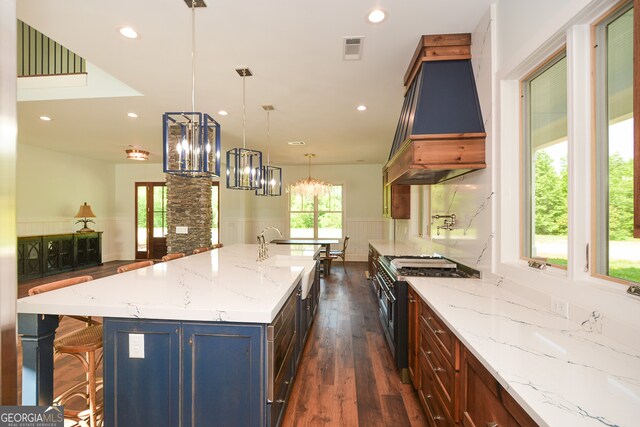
454, 388
40, 256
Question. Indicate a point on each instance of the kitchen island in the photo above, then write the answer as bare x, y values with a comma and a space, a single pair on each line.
212, 335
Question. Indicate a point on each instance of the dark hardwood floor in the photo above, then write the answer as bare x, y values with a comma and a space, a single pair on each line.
346, 375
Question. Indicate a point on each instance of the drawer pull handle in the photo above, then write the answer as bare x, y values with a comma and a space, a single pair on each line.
492, 424
438, 418
286, 382
429, 396
438, 331
439, 369
429, 352
280, 401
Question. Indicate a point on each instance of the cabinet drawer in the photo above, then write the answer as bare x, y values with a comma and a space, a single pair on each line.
280, 337
444, 376
448, 343
281, 387
437, 414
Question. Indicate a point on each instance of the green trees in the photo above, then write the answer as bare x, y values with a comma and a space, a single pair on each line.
551, 189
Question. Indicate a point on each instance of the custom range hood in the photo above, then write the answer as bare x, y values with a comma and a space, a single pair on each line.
440, 134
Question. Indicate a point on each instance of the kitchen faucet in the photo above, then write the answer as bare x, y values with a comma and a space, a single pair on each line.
448, 223
263, 250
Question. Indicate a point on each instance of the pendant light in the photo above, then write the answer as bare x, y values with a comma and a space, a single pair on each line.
271, 176
191, 140
244, 166
310, 187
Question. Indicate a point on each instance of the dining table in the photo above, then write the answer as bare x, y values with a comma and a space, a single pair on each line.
325, 243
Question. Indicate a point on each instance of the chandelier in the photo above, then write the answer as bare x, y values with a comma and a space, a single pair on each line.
310, 187
270, 176
244, 166
191, 140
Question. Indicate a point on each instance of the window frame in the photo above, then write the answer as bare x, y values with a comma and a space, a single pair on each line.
598, 256
216, 184
526, 171
316, 212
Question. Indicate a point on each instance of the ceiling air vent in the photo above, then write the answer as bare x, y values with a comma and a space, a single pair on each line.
352, 48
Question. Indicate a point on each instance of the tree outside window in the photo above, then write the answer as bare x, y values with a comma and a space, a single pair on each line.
317, 217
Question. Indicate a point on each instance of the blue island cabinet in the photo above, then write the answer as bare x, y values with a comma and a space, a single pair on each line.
176, 373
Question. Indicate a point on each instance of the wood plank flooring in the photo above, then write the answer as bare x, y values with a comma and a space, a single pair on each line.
346, 375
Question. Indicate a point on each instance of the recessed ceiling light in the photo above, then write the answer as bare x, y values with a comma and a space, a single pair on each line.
361, 107
296, 143
128, 32
45, 118
223, 113
376, 16
132, 115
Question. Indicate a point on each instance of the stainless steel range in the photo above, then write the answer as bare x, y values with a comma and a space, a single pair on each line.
391, 290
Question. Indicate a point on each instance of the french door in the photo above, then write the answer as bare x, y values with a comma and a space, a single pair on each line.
151, 220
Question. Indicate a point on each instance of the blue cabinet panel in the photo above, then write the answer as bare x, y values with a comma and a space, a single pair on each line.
223, 374
142, 391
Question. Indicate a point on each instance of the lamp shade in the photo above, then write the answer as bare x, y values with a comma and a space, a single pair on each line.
85, 211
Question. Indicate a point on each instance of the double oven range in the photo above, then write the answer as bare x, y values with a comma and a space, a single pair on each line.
390, 288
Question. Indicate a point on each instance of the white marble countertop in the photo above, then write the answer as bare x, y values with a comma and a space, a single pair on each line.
226, 284
561, 372
397, 248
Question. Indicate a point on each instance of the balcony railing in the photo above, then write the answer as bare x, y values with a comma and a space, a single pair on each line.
38, 55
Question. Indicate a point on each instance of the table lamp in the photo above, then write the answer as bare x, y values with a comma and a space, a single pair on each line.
85, 212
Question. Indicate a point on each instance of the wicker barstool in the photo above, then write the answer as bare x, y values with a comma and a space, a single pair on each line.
134, 266
169, 257
202, 249
82, 344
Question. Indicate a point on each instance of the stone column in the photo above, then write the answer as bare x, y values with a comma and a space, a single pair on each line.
188, 205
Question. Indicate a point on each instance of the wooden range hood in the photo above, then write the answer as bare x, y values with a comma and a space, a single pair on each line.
440, 134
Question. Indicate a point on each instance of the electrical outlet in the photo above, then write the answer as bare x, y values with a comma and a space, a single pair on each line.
182, 230
136, 346
560, 307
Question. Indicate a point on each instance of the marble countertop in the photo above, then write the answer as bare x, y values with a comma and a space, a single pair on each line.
389, 247
226, 284
561, 372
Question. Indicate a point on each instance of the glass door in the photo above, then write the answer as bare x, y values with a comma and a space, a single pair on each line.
151, 220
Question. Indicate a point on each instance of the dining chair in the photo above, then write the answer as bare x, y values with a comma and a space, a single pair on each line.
341, 253
82, 344
169, 257
134, 266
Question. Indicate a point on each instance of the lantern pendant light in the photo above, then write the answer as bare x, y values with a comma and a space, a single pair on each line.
271, 176
191, 140
244, 166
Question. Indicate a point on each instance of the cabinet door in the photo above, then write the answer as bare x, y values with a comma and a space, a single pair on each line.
87, 250
30, 258
414, 337
222, 375
485, 402
142, 391
58, 254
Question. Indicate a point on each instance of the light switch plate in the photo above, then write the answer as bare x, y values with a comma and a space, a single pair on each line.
182, 230
136, 346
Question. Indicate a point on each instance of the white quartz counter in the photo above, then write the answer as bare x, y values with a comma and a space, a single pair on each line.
397, 248
226, 284
562, 373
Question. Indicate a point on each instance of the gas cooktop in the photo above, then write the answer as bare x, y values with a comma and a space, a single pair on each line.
426, 266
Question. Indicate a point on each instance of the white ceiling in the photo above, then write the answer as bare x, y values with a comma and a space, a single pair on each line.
293, 48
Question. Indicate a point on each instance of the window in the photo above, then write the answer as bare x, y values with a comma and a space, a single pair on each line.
151, 220
316, 217
215, 212
545, 148
617, 252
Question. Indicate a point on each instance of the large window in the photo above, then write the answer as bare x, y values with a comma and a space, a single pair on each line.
617, 253
316, 217
545, 201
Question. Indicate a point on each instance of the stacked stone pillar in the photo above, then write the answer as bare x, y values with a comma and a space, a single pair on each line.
188, 205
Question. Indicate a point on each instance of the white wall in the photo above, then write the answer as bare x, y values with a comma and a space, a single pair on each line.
51, 186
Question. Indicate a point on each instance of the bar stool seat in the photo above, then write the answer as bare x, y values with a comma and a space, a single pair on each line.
170, 257
83, 344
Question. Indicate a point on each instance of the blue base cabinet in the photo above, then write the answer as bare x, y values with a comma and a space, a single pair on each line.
181, 373
204, 374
